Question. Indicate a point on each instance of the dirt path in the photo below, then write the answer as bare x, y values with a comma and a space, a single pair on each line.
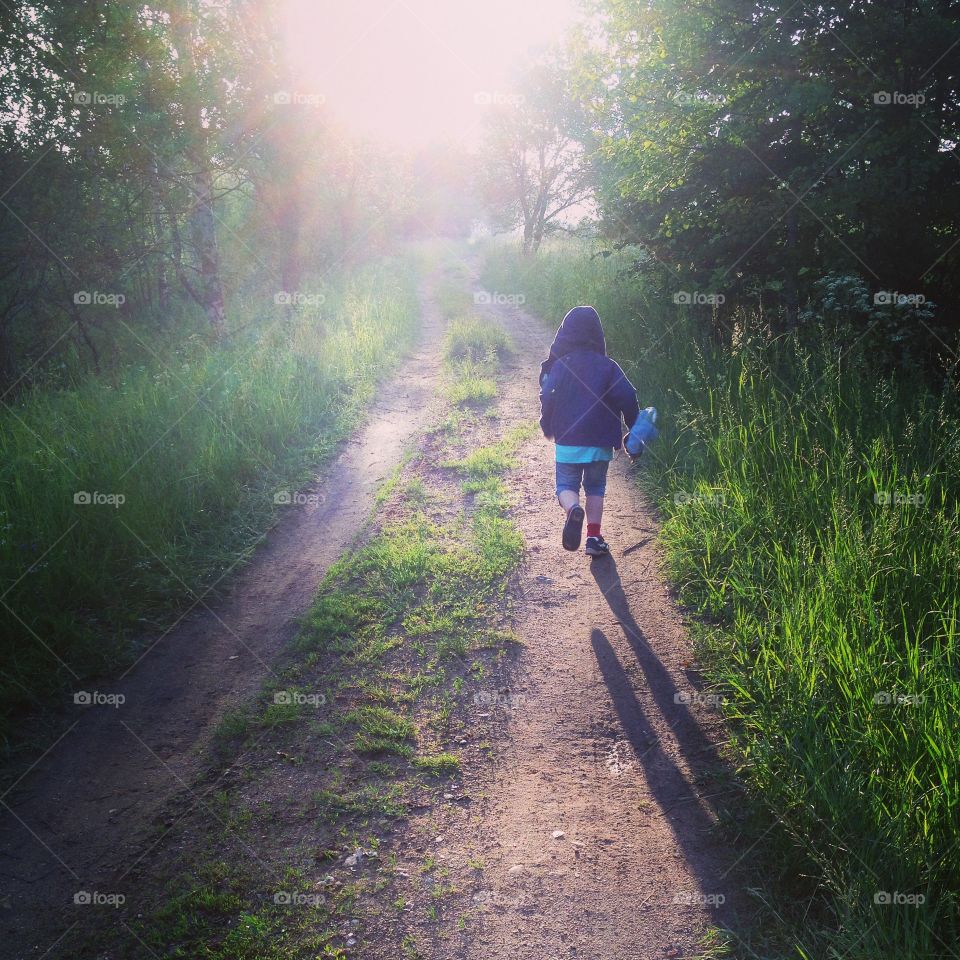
83, 812
604, 744
590, 835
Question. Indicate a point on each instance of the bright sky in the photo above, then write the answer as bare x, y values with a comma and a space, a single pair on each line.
414, 71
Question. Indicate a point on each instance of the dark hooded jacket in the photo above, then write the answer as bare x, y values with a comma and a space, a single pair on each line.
583, 393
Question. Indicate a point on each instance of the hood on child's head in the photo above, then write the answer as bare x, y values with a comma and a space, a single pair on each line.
581, 330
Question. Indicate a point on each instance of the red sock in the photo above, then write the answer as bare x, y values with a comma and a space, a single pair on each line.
593, 529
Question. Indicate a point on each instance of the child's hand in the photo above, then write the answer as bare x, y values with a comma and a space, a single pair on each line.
633, 457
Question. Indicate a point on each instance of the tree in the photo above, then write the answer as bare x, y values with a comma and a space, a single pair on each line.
754, 148
534, 163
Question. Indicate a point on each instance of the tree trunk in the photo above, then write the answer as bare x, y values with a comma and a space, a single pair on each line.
159, 243
793, 163
791, 295
203, 225
205, 240
528, 235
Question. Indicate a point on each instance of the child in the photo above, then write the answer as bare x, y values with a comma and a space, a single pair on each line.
583, 394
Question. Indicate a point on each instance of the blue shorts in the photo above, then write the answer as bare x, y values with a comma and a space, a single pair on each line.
593, 475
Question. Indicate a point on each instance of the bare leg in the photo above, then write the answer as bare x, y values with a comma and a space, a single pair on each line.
594, 509
569, 499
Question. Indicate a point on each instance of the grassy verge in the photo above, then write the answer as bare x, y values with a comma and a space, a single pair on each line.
811, 517
116, 499
472, 351
287, 850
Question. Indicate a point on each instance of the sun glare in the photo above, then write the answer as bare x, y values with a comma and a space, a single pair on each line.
411, 72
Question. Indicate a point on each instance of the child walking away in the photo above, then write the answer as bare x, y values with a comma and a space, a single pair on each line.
583, 395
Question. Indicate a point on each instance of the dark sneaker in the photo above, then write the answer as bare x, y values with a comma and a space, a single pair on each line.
573, 529
597, 547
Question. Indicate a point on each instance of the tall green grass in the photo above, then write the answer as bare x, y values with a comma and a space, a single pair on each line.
200, 447
811, 517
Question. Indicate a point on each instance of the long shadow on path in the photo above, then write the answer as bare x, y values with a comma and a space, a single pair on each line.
698, 749
691, 816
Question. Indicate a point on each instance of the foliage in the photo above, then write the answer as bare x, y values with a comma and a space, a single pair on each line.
164, 178
752, 149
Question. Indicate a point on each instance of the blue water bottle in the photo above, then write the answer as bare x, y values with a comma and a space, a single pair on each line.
641, 433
